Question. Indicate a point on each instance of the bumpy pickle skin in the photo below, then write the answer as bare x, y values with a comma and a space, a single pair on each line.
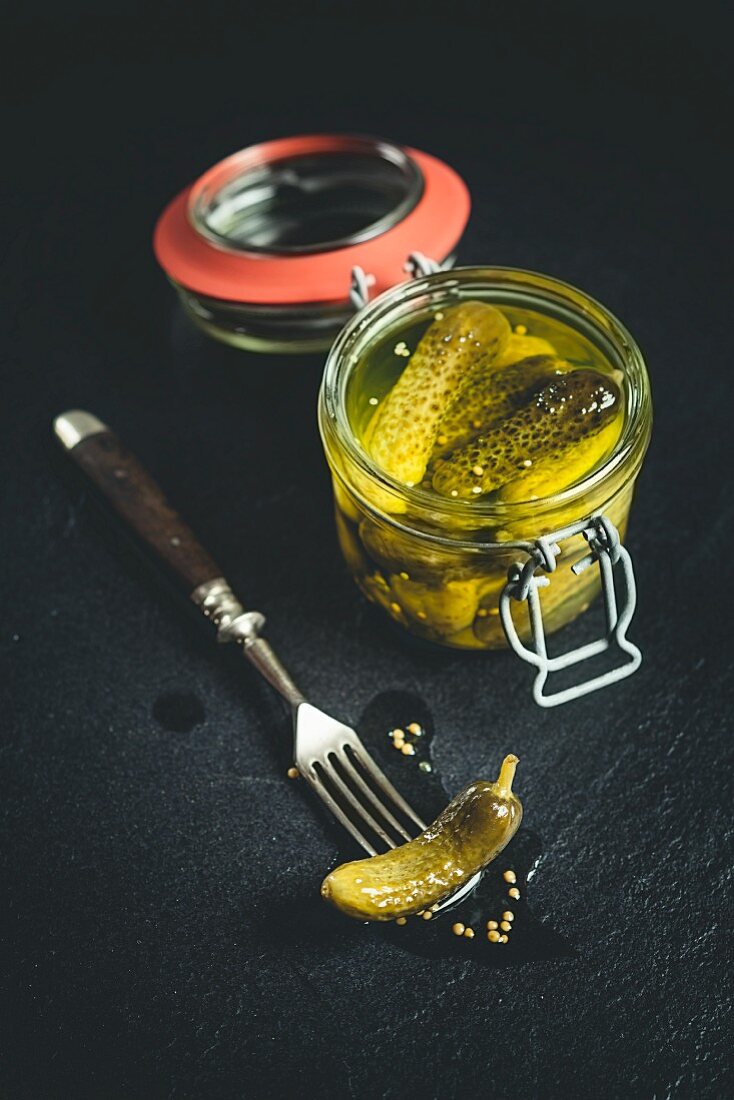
547, 477
491, 396
464, 838
444, 609
567, 410
402, 433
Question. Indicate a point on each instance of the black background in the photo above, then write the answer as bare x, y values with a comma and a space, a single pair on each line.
143, 864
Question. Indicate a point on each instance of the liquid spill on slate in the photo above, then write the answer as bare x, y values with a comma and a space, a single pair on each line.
530, 938
178, 711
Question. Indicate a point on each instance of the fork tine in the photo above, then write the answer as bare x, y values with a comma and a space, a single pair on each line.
365, 761
325, 795
354, 802
367, 791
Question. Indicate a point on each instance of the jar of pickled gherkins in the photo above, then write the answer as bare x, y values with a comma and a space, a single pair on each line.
484, 429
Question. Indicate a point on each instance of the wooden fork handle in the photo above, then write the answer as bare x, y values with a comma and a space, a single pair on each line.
135, 497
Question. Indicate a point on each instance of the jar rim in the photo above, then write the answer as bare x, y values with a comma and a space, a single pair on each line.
244, 170
625, 457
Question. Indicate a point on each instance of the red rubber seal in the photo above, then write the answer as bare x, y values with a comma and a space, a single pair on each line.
433, 227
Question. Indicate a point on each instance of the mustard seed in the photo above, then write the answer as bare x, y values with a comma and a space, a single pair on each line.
458, 928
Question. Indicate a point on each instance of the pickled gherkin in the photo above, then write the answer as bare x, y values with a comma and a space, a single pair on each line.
465, 339
464, 838
548, 424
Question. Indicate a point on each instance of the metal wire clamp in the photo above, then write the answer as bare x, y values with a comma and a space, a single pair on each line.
361, 284
523, 584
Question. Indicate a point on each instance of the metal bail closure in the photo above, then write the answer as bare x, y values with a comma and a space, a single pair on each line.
523, 584
416, 266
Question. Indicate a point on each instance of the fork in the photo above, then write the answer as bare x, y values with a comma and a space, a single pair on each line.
328, 754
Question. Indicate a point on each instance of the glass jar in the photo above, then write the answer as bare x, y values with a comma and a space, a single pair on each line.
263, 248
437, 566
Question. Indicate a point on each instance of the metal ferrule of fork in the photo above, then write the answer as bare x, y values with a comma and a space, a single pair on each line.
217, 602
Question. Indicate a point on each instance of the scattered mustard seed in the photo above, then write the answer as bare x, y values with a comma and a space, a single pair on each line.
407, 749
424, 766
395, 608
404, 577
293, 773
469, 933
422, 615
507, 915
477, 470
398, 734
442, 440
493, 936
492, 924
521, 330
415, 729
427, 914
510, 876
435, 908
504, 939
401, 920
514, 893
506, 926
458, 928
482, 613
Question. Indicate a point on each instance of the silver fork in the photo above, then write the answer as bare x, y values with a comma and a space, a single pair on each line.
329, 755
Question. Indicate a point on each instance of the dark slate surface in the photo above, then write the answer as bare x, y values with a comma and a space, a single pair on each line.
144, 863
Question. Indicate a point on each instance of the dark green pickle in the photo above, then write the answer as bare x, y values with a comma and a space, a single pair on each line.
548, 423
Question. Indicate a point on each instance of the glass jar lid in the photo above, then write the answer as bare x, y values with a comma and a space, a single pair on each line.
285, 223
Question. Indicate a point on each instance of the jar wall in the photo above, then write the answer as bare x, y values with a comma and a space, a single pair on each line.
450, 594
